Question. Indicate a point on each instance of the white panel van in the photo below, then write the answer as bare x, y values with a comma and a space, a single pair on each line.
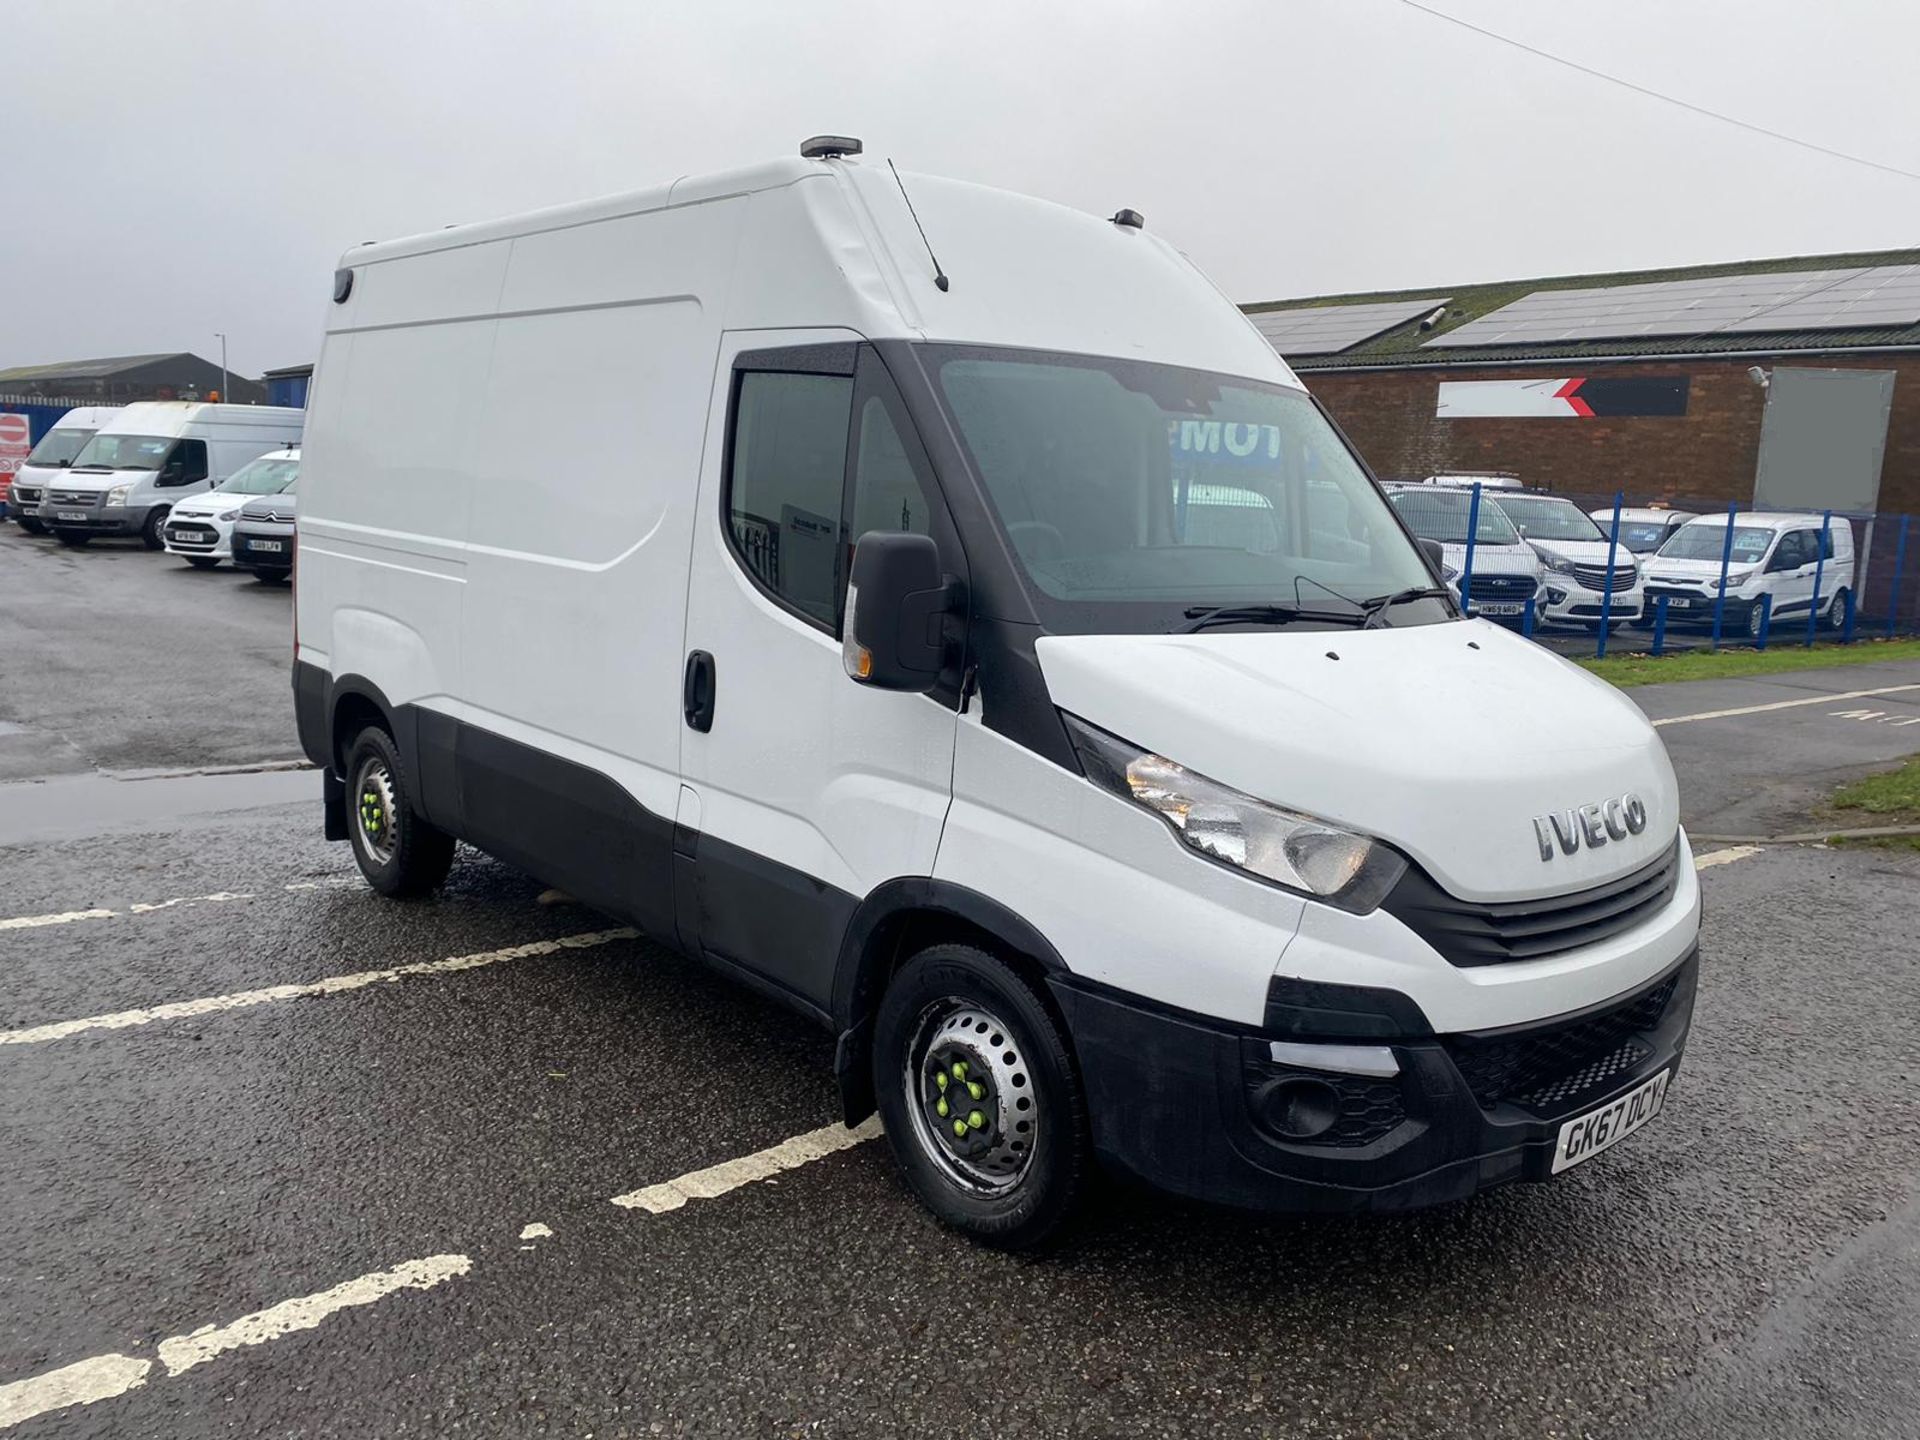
50, 459
1001, 660
151, 456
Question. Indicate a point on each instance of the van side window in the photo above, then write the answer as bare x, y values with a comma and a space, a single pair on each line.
187, 464
785, 485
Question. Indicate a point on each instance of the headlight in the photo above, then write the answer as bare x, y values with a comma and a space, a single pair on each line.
1293, 851
118, 495
1735, 579
228, 517
1558, 563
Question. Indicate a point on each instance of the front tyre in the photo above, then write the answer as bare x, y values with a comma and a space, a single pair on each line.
981, 1097
400, 853
30, 524
73, 539
150, 535
200, 562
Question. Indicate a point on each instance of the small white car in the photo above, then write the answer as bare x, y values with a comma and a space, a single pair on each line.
1773, 553
1645, 528
1507, 572
200, 529
1575, 552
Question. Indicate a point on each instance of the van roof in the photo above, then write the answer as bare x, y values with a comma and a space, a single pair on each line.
827, 244
172, 417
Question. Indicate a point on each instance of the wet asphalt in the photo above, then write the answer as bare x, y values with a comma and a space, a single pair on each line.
1744, 1267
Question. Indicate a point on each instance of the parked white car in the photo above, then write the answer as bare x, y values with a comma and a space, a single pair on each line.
200, 530
1643, 528
1581, 564
1773, 554
1507, 572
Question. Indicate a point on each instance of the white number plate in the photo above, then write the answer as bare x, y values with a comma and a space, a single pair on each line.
71, 515
1498, 608
1587, 1135
274, 545
1680, 602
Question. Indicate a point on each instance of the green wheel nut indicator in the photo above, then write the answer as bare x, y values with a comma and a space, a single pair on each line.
976, 1120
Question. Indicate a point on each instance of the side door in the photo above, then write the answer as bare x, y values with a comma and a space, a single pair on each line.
803, 789
183, 473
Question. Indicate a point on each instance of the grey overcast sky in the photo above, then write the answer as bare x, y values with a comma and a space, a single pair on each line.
176, 168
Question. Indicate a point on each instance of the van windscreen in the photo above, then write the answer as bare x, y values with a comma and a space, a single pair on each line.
58, 447
124, 452
1119, 482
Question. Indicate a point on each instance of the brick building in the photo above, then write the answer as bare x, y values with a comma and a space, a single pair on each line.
1665, 406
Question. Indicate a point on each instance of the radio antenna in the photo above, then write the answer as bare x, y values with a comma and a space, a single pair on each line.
940, 281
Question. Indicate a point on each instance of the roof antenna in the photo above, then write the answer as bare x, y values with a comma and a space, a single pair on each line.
940, 281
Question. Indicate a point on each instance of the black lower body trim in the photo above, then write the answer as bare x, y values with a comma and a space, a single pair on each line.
1199, 1108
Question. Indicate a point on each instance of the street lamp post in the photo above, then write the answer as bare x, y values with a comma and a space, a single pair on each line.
223, 364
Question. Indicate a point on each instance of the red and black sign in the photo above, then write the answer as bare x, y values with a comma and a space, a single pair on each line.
1582, 397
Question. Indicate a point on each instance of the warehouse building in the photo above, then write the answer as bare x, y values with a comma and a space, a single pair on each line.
1791, 383
123, 379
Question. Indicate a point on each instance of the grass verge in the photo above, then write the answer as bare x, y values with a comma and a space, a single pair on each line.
1627, 671
1892, 798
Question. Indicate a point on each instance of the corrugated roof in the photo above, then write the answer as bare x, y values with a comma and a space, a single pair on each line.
89, 369
1403, 344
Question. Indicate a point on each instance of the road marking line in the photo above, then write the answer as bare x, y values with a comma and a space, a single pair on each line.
1782, 705
717, 1180
182, 1352
1724, 857
331, 985
67, 917
100, 1378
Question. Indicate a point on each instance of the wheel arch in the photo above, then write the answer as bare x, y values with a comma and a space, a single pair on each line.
897, 919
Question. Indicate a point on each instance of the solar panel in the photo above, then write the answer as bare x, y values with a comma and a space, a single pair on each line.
1801, 300
1323, 329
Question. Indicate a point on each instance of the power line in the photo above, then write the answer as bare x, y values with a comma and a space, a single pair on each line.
1661, 95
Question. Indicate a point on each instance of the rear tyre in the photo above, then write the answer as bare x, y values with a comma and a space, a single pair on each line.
150, 535
201, 562
980, 1096
1837, 609
400, 854
75, 539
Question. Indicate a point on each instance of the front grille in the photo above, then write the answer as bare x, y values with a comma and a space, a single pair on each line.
1503, 587
1471, 933
1594, 577
26, 495
1555, 1066
1673, 592
76, 498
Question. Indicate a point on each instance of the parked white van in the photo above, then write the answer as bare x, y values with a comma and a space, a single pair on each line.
1507, 572
151, 456
1773, 553
50, 459
722, 558
1588, 577
1645, 528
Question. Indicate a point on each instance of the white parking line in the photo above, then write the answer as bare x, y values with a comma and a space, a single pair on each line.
81, 1383
68, 917
331, 985
104, 1376
717, 1180
182, 1352
1724, 857
1781, 705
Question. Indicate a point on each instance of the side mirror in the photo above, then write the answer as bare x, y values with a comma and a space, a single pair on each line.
896, 611
1436, 554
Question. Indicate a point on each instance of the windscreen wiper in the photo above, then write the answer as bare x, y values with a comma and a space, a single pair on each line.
1377, 606
1201, 617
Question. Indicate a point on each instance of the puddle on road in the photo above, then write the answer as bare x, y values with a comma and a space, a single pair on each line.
71, 807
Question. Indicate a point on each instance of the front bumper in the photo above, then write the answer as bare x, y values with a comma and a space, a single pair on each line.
1565, 600
1202, 1109
197, 537
101, 520
246, 553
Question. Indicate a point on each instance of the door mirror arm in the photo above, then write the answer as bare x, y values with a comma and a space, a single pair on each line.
898, 602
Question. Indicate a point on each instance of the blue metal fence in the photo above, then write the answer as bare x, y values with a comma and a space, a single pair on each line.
1867, 593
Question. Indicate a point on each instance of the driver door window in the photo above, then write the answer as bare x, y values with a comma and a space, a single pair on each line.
186, 465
